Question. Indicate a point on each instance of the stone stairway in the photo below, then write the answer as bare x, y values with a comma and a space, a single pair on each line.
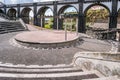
64, 72
10, 71
10, 26
105, 78
4, 17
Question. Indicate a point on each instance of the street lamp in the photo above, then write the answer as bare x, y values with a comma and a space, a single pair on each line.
76, 26
62, 17
42, 21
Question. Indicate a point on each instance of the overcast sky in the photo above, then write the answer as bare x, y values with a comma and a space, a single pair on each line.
48, 12
21, 1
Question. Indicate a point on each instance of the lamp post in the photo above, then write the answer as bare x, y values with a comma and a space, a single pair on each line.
76, 27
65, 30
57, 23
62, 17
41, 21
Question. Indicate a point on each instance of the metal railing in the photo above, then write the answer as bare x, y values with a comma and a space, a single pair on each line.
4, 16
22, 22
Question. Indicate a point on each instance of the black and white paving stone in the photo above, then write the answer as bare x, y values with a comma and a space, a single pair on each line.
28, 56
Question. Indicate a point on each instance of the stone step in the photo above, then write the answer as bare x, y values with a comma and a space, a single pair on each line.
105, 78
51, 76
11, 27
22, 66
58, 70
3, 31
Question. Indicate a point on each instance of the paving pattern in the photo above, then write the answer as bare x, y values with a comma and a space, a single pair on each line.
16, 55
20, 55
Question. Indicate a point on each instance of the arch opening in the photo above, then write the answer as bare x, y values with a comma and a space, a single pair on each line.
118, 25
97, 18
12, 14
45, 17
27, 16
118, 19
69, 22
1, 11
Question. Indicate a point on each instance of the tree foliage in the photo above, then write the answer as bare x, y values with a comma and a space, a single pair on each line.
93, 16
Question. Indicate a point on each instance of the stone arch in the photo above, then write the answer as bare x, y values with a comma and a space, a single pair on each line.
98, 22
86, 9
21, 8
61, 10
118, 8
1, 11
12, 13
25, 14
118, 19
118, 24
41, 15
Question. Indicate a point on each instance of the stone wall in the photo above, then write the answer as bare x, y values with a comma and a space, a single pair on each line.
99, 61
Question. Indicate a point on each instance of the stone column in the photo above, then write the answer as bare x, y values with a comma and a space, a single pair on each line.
5, 9
60, 23
113, 18
42, 21
18, 11
55, 22
81, 17
35, 13
38, 20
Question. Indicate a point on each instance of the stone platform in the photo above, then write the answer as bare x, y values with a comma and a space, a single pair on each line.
47, 39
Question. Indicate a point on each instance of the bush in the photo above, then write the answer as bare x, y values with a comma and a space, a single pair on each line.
47, 26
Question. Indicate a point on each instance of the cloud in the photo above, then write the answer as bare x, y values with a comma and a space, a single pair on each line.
24, 1
36, 0
44, 0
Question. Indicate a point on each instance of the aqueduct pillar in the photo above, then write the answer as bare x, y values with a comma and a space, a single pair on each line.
81, 17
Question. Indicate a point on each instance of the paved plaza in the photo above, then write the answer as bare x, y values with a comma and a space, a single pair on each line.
18, 55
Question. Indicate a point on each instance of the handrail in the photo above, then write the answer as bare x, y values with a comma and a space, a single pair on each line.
21, 21
4, 16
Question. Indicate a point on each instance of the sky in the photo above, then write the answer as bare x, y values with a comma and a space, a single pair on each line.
47, 13
22, 1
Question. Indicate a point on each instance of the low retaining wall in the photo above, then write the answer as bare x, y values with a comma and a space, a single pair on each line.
107, 63
69, 43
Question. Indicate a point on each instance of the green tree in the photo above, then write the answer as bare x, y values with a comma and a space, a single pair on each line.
93, 16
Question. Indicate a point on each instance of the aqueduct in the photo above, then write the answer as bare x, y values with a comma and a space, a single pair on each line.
37, 53
58, 7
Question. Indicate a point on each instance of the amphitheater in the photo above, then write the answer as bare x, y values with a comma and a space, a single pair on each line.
29, 52
89, 59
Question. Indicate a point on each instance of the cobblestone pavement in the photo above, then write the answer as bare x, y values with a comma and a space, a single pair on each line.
16, 55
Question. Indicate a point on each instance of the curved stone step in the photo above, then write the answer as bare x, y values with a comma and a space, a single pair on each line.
10, 68
105, 78
54, 70
22, 66
51, 76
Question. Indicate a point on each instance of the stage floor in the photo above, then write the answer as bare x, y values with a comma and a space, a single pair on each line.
45, 36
